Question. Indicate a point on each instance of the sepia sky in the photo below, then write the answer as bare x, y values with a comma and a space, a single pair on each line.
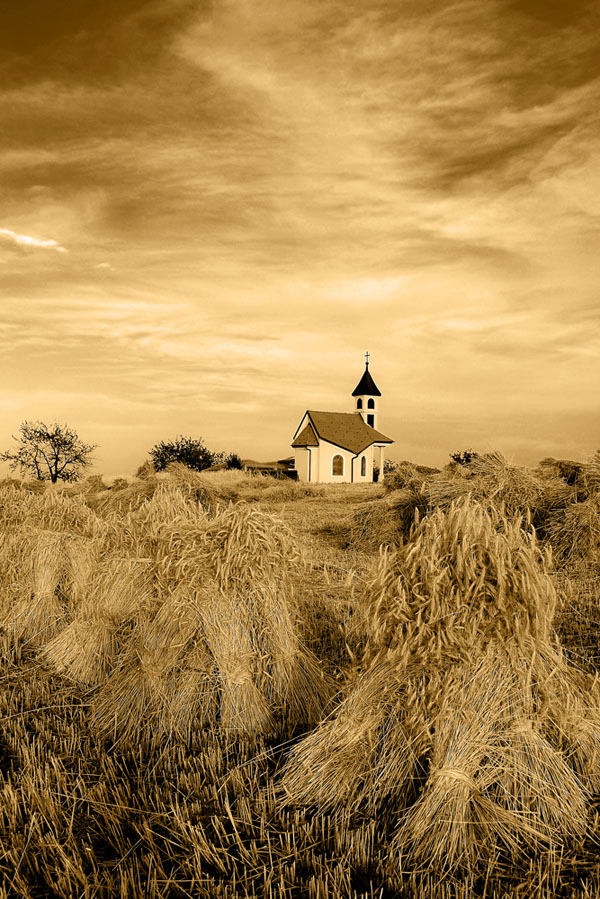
210, 210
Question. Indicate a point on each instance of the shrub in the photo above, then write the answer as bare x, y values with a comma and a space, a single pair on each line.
464, 457
188, 451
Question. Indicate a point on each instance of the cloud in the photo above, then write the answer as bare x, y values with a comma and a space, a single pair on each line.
85, 41
25, 242
251, 200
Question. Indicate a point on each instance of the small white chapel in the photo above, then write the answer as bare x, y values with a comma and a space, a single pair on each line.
342, 447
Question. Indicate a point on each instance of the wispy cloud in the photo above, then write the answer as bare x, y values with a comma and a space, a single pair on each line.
26, 242
251, 199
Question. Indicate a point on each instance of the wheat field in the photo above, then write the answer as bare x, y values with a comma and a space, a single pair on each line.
222, 685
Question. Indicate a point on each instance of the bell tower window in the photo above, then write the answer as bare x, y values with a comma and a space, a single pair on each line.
359, 404
371, 420
371, 404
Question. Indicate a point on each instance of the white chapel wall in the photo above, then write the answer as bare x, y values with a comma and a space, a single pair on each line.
326, 453
302, 460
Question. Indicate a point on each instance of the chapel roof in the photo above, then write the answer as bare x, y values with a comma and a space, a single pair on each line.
306, 437
347, 430
366, 386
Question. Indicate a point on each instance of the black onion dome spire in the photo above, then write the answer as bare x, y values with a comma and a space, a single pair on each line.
366, 386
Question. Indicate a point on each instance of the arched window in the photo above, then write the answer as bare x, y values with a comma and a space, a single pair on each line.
359, 404
363, 467
370, 404
337, 465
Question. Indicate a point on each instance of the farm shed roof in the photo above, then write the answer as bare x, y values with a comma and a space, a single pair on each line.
252, 464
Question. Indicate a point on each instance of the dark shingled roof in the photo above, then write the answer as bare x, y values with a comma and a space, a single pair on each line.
366, 386
344, 429
306, 437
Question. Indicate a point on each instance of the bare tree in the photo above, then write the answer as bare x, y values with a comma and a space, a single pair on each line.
49, 453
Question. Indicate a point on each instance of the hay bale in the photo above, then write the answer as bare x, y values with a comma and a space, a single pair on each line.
137, 692
455, 727
245, 546
372, 525
115, 591
83, 557
574, 531
589, 478
50, 510
85, 650
569, 472
175, 612
192, 485
127, 499
90, 485
388, 521
44, 580
38, 612
218, 643
294, 681
489, 479
243, 704
404, 474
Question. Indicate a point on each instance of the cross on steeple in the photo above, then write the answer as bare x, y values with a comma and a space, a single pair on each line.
367, 354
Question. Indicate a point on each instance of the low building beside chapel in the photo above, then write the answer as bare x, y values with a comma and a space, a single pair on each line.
342, 447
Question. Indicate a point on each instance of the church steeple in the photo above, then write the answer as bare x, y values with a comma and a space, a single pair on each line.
365, 392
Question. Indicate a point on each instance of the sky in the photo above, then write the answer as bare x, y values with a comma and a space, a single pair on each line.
211, 209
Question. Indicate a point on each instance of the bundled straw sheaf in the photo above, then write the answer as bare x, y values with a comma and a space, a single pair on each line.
591, 474
465, 727
488, 479
41, 540
49, 510
574, 532
111, 591
492, 481
466, 578
38, 610
218, 643
388, 521
194, 487
181, 612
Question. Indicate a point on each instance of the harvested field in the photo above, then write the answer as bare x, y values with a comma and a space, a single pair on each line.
219, 685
